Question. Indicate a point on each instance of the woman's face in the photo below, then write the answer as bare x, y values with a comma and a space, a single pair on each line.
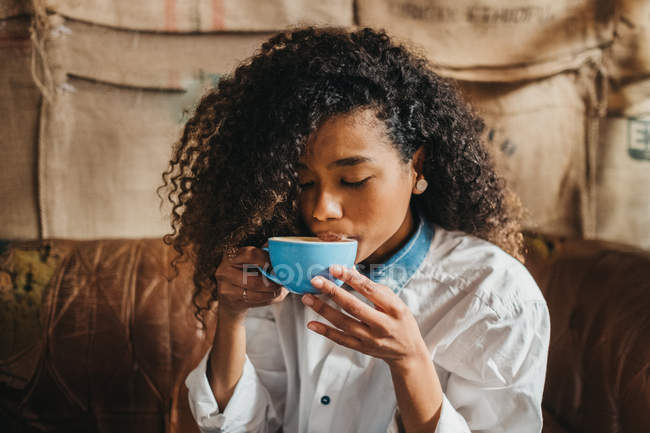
355, 184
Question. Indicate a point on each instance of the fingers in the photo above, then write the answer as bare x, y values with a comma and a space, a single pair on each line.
348, 302
246, 275
344, 322
260, 299
243, 297
236, 293
378, 294
283, 292
242, 269
251, 255
252, 278
241, 285
336, 336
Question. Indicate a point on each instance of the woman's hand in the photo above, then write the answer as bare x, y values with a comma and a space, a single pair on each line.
241, 286
388, 331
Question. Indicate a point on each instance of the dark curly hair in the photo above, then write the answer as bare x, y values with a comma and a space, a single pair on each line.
231, 179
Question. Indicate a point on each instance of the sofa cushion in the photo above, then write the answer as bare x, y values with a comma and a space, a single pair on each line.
114, 339
598, 295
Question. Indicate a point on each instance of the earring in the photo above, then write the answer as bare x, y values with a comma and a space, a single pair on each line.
421, 185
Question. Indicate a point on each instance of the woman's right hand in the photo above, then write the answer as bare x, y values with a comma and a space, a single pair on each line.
241, 286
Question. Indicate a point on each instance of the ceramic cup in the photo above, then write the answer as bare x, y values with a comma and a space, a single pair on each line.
298, 259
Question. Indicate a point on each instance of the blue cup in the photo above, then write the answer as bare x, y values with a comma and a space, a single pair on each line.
296, 260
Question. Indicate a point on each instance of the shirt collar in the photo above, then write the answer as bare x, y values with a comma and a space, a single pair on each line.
398, 269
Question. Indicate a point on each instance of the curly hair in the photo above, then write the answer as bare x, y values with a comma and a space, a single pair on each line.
231, 179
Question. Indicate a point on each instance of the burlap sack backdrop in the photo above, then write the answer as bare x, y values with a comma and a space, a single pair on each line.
206, 15
540, 135
623, 193
107, 133
487, 40
146, 60
19, 112
115, 99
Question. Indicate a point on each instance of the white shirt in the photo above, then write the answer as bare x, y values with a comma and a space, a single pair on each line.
480, 313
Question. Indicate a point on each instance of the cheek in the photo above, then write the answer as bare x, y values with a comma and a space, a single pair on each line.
366, 205
380, 212
390, 197
305, 211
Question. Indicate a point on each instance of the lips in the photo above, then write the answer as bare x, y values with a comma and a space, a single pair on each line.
332, 236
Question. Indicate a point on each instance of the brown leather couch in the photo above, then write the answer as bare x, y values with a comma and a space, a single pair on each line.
94, 337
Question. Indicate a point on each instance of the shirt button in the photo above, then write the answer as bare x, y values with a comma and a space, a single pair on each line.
325, 400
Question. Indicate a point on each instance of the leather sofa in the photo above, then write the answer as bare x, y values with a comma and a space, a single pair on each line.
96, 336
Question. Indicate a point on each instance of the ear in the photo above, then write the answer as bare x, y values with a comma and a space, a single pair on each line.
417, 163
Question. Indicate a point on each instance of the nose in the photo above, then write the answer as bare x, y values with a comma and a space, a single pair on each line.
327, 207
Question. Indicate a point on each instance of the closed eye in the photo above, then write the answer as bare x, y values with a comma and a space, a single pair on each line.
355, 184
343, 182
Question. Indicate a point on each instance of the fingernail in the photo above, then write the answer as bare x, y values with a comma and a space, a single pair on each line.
336, 268
308, 300
317, 282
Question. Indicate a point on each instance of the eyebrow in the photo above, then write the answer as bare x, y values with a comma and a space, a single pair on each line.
345, 162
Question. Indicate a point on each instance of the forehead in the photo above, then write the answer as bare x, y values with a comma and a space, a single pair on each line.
356, 134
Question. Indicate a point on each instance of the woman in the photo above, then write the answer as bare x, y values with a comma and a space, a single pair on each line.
334, 133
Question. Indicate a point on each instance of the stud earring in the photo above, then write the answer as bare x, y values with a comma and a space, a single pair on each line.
421, 185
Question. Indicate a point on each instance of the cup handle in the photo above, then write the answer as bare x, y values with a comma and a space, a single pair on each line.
268, 275
271, 277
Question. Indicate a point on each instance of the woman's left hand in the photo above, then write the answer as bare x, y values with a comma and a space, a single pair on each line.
388, 331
